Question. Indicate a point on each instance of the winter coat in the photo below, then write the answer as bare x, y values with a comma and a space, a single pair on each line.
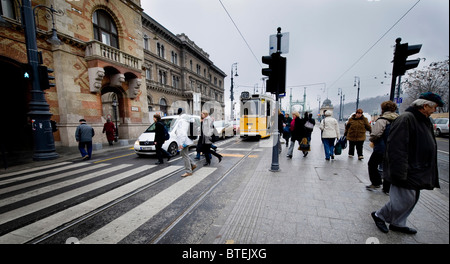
307, 131
159, 133
411, 152
207, 130
109, 128
329, 126
84, 133
298, 133
355, 130
379, 133
181, 131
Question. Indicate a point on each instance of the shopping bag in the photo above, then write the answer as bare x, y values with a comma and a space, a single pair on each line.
304, 145
338, 148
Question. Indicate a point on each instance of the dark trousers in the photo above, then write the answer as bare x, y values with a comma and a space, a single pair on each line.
375, 160
82, 146
358, 145
206, 149
160, 152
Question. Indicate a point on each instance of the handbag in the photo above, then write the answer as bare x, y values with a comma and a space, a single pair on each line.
304, 145
309, 125
343, 142
338, 148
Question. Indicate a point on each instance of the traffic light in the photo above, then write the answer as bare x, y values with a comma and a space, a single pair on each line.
276, 73
44, 78
402, 51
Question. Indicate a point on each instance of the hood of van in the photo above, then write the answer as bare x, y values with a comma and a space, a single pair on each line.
149, 136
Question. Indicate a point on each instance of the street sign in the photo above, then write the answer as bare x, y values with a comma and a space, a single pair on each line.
284, 43
398, 100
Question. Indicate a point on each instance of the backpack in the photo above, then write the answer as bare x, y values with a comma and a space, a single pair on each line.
166, 133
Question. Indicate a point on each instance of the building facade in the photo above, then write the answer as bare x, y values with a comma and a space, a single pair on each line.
176, 69
109, 66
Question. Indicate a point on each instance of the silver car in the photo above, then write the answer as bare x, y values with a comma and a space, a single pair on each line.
440, 126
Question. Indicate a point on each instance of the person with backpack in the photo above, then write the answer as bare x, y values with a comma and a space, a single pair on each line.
410, 163
297, 128
378, 138
161, 135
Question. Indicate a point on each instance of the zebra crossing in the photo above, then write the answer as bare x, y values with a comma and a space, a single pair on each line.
37, 201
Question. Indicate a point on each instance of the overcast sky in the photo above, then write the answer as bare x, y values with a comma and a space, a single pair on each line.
327, 40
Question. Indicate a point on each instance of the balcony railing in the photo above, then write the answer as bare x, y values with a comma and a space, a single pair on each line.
99, 50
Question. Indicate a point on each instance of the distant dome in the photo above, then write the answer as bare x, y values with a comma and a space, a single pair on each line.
327, 103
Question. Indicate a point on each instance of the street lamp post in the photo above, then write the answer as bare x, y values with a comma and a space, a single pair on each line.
340, 103
44, 145
357, 96
233, 67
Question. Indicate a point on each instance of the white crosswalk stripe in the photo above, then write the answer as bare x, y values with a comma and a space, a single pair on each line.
59, 185
22, 211
51, 222
41, 173
124, 225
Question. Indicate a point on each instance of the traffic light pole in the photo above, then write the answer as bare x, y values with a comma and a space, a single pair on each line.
44, 145
275, 166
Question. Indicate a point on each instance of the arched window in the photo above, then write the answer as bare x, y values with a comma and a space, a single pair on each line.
7, 9
104, 28
163, 105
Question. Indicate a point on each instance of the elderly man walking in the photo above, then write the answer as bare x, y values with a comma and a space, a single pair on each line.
410, 163
83, 135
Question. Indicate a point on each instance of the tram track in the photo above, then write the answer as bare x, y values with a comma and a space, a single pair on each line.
66, 226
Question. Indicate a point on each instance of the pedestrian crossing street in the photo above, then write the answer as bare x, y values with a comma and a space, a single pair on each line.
36, 201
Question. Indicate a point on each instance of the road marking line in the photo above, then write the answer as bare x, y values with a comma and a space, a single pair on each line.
44, 225
121, 227
34, 169
98, 161
45, 172
59, 185
34, 207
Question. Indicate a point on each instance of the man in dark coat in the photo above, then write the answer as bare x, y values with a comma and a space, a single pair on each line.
410, 163
83, 135
159, 140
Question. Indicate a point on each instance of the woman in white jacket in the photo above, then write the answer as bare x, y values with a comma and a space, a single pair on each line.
184, 142
330, 131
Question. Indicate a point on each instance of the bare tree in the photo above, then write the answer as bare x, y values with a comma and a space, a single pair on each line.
433, 78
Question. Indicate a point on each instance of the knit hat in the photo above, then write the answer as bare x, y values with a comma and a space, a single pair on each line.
432, 97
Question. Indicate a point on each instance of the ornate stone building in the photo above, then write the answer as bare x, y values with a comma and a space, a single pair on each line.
109, 66
175, 69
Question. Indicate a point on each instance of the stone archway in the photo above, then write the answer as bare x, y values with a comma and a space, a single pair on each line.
112, 106
15, 132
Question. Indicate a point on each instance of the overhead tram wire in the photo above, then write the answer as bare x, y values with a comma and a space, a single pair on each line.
362, 56
240, 33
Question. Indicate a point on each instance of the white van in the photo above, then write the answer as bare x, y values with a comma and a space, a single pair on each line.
145, 145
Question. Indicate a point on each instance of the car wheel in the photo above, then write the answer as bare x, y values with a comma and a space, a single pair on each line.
438, 132
173, 148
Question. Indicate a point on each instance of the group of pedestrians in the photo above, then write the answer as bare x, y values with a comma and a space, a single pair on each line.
204, 144
404, 146
299, 130
404, 157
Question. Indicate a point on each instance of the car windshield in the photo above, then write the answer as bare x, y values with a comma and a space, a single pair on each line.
167, 123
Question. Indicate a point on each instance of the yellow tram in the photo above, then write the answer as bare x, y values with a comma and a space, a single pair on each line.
257, 115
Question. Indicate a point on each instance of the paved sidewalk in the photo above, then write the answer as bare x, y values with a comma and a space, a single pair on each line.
311, 200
